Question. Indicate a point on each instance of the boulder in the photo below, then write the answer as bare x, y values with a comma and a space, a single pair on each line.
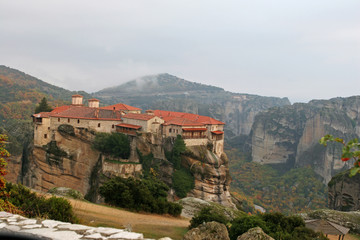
255, 234
208, 231
191, 206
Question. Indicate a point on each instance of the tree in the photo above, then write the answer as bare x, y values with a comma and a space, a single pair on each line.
351, 150
3, 154
43, 106
178, 149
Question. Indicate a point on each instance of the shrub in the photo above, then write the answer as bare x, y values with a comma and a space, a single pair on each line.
275, 225
33, 205
207, 215
147, 195
183, 182
243, 224
114, 144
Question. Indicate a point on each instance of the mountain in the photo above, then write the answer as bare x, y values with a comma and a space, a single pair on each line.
288, 136
167, 92
20, 92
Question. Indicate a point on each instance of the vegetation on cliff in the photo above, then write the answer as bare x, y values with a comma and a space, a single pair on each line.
291, 192
114, 144
147, 195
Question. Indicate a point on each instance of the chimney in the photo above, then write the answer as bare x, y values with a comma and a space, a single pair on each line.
94, 103
149, 112
77, 100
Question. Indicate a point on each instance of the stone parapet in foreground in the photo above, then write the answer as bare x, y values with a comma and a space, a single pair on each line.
51, 229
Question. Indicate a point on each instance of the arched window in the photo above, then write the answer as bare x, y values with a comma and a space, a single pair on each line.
78, 121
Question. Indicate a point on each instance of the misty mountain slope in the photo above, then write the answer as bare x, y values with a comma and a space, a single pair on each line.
167, 92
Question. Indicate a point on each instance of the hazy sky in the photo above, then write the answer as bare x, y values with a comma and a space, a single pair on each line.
301, 49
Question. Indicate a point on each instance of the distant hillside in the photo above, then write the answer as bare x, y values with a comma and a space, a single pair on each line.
167, 92
20, 92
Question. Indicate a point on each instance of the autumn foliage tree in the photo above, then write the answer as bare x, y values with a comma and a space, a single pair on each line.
350, 150
5, 205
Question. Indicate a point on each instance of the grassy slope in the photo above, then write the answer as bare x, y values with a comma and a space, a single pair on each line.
151, 225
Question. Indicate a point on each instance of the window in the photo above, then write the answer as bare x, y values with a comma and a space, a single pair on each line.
78, 121
169, 130
113, 126
98, 124
58, 119
48, 128
68, 120
45, 135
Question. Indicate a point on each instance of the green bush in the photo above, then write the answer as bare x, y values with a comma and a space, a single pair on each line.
114, 144
276, 225
147, 195
38, 206
207, 215
183, 182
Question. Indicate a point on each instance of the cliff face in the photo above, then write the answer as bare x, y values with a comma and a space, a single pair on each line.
212, 178
70, 161
344, 192
289, 135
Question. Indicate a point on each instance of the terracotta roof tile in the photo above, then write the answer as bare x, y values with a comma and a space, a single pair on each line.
128, 126
189, 116
139, 116
121, 106
88, 113
217, 132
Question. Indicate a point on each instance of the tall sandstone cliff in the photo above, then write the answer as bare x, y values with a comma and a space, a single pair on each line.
344, 192
289, 135
70, 161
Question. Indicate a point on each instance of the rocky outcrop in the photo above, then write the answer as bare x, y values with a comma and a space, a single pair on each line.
289, 135
212, 177
208, 231
344, 192
69, 161
255, 234
347, 219
191, 206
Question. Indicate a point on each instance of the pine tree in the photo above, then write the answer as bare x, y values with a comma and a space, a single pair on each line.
43, 106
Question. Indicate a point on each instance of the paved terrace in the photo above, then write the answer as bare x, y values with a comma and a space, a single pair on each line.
51, 229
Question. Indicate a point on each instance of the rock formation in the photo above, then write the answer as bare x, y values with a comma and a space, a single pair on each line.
208, 231
289, 135
255, 234
344, 192
212, 177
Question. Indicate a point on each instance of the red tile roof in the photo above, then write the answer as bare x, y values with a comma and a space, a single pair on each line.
139, 116
190, 116
93, 100
194, 129
87, 113
180, 121
121, 106
217, 132
76, 95
128, 126
42, 115
60, 109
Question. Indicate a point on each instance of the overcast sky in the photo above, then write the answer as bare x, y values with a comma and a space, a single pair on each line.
301, 49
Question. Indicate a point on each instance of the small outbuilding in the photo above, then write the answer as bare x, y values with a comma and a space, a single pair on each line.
327, 227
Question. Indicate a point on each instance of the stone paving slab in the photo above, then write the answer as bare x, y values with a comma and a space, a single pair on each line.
51, 229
